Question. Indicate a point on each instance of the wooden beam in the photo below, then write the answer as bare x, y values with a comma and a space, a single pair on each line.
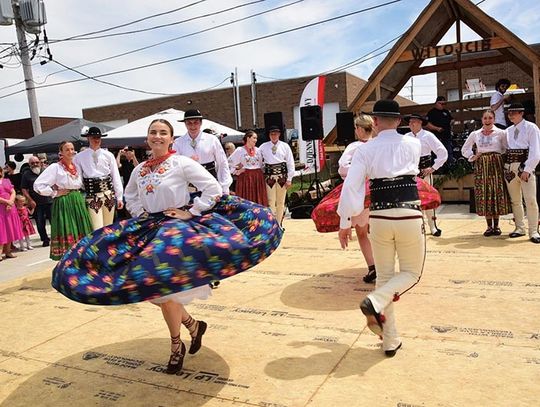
468, 63
449, 9
442, 31
536, 85
519, 62
396, 51
486, 44
469, 8
388, 87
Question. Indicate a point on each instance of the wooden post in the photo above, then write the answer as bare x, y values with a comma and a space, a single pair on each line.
536, 85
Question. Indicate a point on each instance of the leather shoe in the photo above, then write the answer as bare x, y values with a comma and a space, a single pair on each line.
374, 319
392, 353
45, 244
489, 232
370, 277
497, 231
535, 239
196, 341
437, 232
517, 233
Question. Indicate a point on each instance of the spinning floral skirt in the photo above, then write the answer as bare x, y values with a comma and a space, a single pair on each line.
153, 255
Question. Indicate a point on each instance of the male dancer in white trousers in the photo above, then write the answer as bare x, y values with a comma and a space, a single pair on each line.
390, 161
430, 144
522, 157
278, 171
102, 182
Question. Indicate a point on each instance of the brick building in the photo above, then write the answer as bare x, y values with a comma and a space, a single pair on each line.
218, 105
22, 128
447, 81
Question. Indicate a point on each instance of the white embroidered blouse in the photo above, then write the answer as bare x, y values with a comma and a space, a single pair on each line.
247, 161
56, 175
167, 187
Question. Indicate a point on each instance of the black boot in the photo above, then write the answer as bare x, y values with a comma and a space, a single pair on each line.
371, 276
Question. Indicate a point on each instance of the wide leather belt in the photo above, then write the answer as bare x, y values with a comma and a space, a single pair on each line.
398, 192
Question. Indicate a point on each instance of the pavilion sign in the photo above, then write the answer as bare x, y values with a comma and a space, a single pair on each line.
469, 47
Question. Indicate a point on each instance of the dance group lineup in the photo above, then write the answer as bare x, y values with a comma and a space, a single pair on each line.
187, 231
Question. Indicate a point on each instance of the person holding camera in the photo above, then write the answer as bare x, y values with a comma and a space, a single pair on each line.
127, 161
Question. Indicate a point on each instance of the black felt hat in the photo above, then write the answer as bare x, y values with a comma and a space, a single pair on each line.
516, 107
274, 128
385, 108
416, 116
92, 132
192, 114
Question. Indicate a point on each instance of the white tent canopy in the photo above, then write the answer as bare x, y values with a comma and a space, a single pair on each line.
139, 128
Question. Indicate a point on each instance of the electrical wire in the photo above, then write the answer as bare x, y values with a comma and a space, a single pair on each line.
120, 86
165, 25
180, 37
211, 50
217, 48
131, 22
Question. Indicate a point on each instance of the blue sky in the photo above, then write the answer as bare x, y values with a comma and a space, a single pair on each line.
309, 51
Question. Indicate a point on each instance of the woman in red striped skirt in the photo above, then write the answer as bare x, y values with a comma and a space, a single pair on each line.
247, 164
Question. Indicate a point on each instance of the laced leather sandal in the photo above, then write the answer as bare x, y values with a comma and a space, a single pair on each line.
176, 361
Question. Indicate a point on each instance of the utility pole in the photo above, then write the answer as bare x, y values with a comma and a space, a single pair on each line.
233, 81
238, 99
254, 99
27, 69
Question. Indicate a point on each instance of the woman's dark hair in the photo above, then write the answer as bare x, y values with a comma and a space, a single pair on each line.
248, 134
502, 82
165, 122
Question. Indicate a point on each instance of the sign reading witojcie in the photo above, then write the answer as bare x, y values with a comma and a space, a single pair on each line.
421, 53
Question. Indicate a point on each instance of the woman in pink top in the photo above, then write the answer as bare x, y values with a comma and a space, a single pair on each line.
10, 224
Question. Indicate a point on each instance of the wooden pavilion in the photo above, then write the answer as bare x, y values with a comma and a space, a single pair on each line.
420, 43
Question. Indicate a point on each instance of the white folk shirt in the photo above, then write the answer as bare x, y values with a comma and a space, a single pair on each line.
55, 174
499, 113
528, 137
247, 161
346, 158
98, 164
388, 155
495, 142
283, 154
167, 187
429, 144
208, 148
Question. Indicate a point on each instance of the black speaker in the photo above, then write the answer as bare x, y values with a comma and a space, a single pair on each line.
311, 119
274, 119
345, 128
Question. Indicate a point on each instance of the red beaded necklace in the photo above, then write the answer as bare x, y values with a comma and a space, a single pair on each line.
153, 162
250, 151
70, 168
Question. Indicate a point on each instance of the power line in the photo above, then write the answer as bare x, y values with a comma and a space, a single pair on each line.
167, 41
217, 48
131, 22
164, 25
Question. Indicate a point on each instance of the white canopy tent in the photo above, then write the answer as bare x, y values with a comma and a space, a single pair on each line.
136, 130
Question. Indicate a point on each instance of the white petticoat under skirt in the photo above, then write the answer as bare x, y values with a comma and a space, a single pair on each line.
202, 292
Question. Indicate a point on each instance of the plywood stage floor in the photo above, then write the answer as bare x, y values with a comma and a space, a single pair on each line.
289, 333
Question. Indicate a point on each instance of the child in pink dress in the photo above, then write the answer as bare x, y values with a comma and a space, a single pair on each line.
27, 226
